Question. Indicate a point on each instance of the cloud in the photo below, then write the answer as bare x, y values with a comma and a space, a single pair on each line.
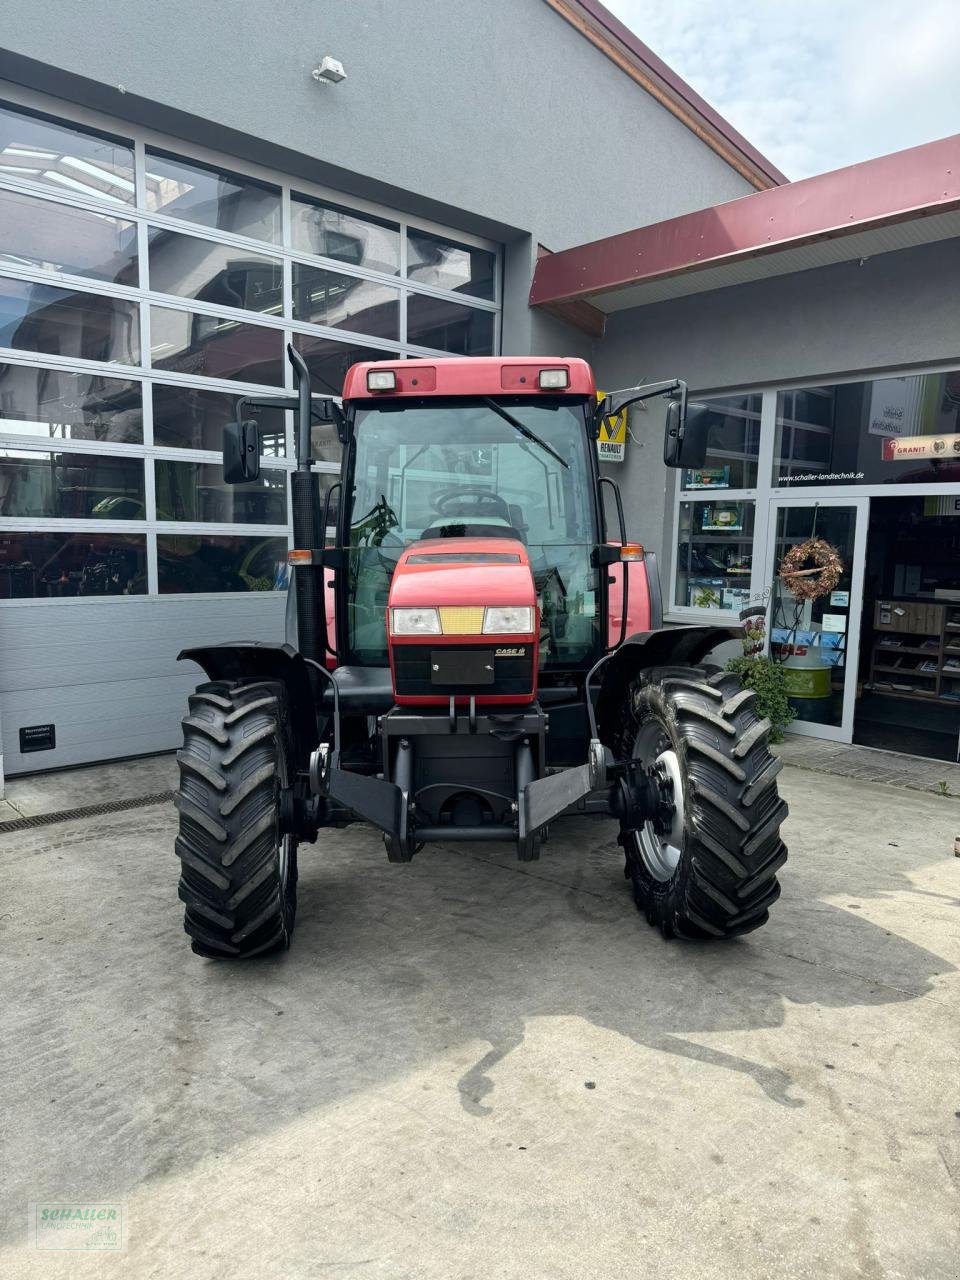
814, 84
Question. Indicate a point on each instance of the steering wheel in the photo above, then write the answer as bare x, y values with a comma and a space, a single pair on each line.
464, 503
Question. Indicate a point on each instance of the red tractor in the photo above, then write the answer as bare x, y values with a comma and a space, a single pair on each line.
478, 656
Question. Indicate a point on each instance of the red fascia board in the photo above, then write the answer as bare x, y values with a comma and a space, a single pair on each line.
657, 67
894, 188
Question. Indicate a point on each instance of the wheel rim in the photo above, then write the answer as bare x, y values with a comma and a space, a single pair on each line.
660, 851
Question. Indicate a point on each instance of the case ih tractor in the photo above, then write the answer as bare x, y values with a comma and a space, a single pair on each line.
478, 656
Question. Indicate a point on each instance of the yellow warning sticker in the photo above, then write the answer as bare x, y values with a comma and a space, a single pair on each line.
612, 442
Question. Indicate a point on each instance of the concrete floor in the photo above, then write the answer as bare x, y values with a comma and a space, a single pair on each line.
469, 1068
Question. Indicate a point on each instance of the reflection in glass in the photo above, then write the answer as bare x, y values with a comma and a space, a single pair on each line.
213, 197
65, 322
64, 157
448, 326
733, 444
211, 562
333, 232
194, 268
216, 347
186, 418
196, 491
328, 361
55, 237
69, 406
444, 264
345, 302
715, 555
36, 566
46, 484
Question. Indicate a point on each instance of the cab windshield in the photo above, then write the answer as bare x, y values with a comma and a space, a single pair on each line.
448, 470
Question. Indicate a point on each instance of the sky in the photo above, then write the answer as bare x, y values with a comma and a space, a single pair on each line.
814, 84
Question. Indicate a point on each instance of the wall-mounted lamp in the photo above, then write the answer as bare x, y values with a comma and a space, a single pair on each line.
330, 71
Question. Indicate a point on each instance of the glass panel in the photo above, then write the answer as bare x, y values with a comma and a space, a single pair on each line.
328, 361
36, 566
886, 431
186, 418
64, 157
55, 237
69, 406
213, 197
460, 471
186, 342
444, 264
733, 444
809, 636
214, 562
715, 555
345, 302
448, 326
357, 239
193, 268
196, 491
70, 485
63, 322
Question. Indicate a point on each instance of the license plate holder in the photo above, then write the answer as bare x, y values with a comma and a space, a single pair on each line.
454, 666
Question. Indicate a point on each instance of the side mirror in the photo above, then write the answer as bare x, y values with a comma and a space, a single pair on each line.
685, 437
241, 452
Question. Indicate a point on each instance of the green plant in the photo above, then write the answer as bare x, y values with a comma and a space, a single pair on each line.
942, 788
768, 679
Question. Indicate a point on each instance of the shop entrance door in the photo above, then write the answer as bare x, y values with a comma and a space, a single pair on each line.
818, 640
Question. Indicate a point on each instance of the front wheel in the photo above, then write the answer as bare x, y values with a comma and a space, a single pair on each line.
238, 866
711, 870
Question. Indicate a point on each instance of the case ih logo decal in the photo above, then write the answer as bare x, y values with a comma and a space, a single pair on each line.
511, 653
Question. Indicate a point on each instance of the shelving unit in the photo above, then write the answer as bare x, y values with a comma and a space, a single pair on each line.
714, 558
913, 632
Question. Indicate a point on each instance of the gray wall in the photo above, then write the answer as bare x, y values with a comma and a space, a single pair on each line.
897, 310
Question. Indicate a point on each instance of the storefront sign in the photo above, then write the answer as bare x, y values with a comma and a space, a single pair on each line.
894, 407
921, 447
612, 441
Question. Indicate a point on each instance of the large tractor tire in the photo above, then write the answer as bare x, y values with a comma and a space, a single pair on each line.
712, 871
238, 868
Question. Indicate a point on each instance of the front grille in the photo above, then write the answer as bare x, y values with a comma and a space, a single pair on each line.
413, 671
461, 620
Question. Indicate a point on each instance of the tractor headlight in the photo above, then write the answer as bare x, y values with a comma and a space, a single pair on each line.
508, 619
414, 622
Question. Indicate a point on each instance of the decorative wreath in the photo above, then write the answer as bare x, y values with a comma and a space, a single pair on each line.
811, 569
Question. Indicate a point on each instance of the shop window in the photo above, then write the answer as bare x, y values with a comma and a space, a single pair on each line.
64, 322
345, 302
188, 418
67, 159
42, 566
328, 361
212, 197
190, 267
59, 485
55, 237
215, 346
885, 431
196, 491
733, 444
449, 326
444, 264
195, 562
715, 554
330, 231
69, 406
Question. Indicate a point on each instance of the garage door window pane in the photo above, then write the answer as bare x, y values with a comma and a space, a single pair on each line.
195, 491
64, 322
213, 197
186, 342
328, 361
40, 566
345, 302
444, 264
330, 231
60, 485
185, 418
733, 444
194, 268
448, 326
42, 233
715, 555
69, 406
65, 158
204, 562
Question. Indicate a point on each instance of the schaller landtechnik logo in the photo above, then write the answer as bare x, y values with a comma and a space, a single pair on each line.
76, 1226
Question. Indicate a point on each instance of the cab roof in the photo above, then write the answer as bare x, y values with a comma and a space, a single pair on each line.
470, 376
